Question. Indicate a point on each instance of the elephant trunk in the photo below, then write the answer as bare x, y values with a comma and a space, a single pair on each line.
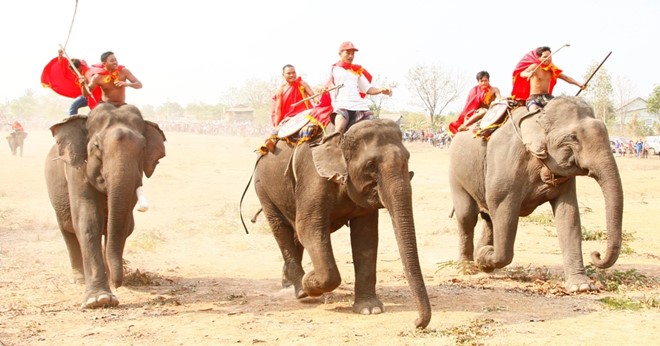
607, 176
398, 200
120, 204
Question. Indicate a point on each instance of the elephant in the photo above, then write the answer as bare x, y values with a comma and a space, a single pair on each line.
16, 141
310, 190
531, 159
92, 174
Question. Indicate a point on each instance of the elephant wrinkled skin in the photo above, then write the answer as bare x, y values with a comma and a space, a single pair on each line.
309, 191
92, 174
530, 160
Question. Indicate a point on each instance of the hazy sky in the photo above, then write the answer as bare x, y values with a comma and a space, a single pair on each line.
194, 50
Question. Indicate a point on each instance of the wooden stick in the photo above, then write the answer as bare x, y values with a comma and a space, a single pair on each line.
75, 70
316, 95
593, 73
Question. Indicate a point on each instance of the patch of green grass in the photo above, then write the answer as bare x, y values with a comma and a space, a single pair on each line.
545, 219
596, 234
471, 334
634, 304
461, 267
148, 241
616, 280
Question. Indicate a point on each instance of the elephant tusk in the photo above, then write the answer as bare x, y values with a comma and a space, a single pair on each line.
143, 204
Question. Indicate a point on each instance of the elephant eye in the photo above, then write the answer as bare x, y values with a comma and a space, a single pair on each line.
371, 166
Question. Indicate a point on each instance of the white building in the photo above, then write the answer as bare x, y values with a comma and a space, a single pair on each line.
635, 109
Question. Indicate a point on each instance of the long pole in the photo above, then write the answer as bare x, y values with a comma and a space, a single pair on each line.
75, 70
316, 95
593, 73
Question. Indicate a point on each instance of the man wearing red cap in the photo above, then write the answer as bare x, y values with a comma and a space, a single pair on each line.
349, 103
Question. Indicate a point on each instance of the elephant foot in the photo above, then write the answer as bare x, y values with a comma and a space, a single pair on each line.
101, 300
298, 289
579, 283
368, 306
296, 281
314, 286
482, 254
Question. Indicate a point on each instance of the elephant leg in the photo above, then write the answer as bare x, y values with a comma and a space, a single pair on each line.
75, 256
486, 231
364, 246
87, 217
292, 250
466, 211
569, 233
504, 216
316, 239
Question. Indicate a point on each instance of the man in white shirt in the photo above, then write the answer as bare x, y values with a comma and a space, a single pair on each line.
349, 103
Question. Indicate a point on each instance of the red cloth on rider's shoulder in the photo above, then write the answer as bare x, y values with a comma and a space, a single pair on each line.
323, 110
357, 69
476, 97
521, 86
292, 93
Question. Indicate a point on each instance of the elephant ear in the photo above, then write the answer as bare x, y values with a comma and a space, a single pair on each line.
533, 135
155, 147
71, 138
329, 159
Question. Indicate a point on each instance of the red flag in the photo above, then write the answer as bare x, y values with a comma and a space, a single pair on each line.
521, 85
58, 76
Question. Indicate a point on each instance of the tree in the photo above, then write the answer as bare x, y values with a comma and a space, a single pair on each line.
599, 93
257, 93
435, 87
376, 102
653, 102
169, 110
624, 91
25, 106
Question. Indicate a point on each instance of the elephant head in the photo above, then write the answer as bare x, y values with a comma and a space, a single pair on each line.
372, 162
573, 142
114, 147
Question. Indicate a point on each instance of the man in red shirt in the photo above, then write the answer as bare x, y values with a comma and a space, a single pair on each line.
477, 103
292, 91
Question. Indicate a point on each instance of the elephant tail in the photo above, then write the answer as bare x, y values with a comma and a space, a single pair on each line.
254, 218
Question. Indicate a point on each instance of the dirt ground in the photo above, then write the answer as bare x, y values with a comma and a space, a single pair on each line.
194, 277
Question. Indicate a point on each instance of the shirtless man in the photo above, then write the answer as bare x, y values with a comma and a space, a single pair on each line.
113, 80
543, 78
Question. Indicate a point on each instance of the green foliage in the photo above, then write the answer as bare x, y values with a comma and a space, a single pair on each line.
461, 267
147, 240
653, 102
617, 280
472, 333
599, 93
544, 219
634, 304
